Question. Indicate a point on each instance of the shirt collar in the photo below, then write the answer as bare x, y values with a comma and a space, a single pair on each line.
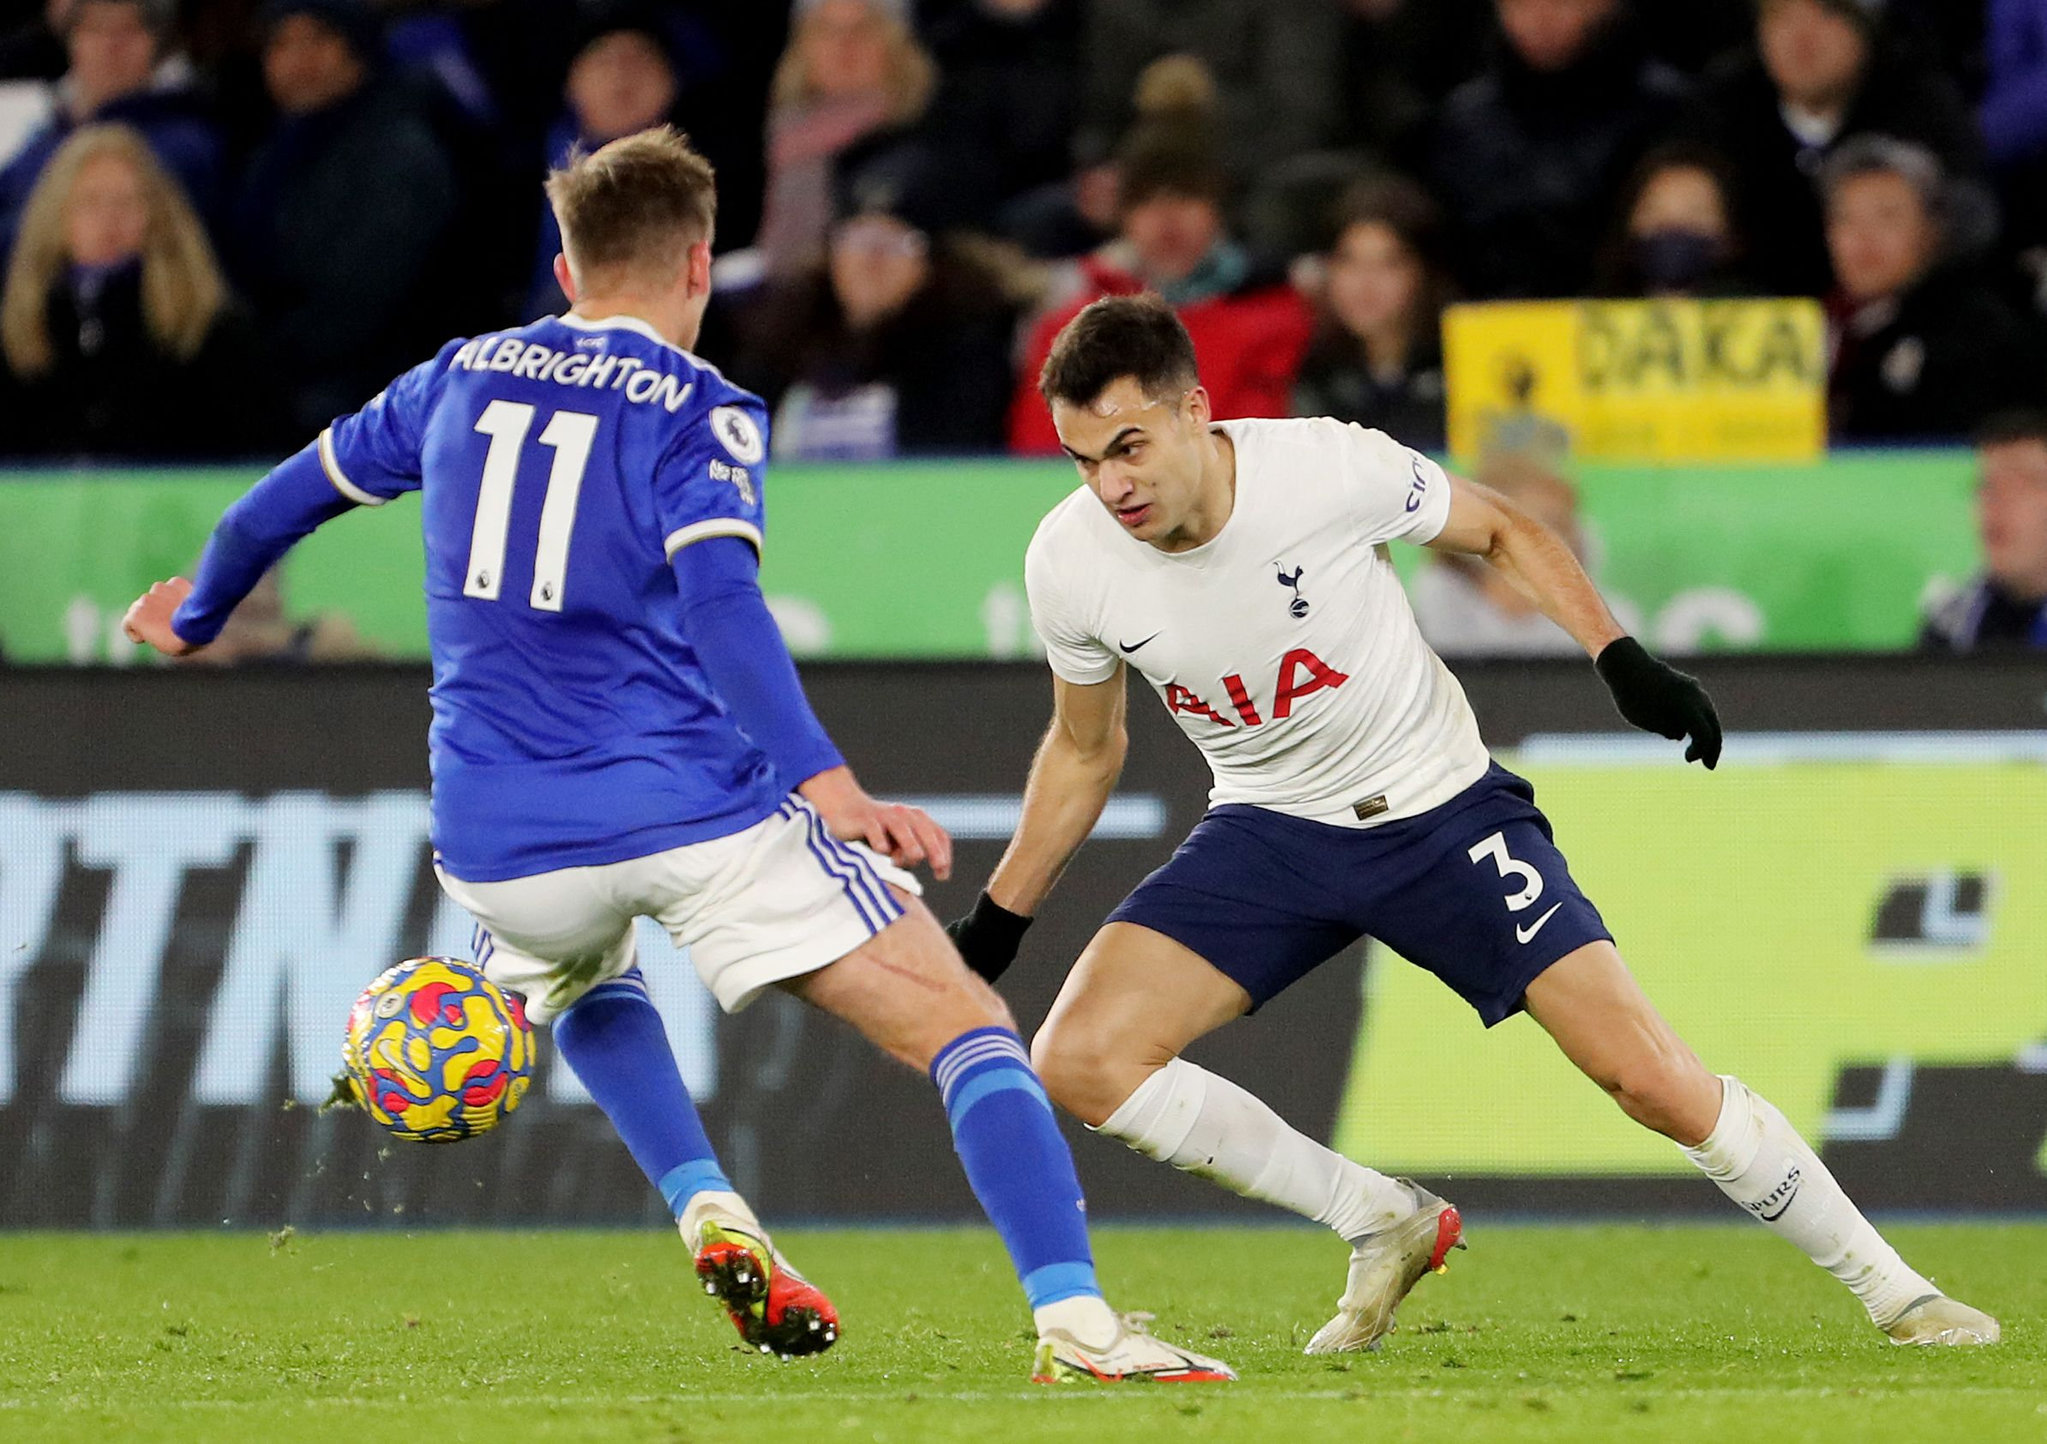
619, 323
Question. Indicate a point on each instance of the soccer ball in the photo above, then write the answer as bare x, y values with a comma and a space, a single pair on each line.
436, 1052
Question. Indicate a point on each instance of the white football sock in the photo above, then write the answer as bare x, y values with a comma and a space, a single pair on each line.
1207, 1126
1086, 1317
1761, 1163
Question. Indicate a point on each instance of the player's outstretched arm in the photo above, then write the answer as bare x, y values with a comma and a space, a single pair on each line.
178, 617
1650, 694
1538, 563
1071, 778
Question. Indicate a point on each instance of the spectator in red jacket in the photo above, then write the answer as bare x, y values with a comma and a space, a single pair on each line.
1249, 326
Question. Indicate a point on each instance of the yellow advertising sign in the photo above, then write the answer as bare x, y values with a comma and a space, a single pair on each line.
1792, 920
1640, 380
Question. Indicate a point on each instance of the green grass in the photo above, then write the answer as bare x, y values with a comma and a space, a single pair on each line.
1695, 1334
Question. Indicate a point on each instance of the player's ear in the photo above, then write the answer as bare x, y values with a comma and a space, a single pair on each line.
563, 278
1197, 408
699, 268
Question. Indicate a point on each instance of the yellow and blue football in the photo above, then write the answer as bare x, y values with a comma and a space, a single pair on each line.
436, 1052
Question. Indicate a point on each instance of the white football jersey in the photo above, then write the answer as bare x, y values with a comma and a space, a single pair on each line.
1284, 646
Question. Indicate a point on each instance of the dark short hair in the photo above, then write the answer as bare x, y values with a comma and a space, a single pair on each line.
1117, 336
1397, 203
2007, 428
360, 27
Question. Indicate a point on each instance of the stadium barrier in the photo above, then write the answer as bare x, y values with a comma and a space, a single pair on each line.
199, 870
926, 560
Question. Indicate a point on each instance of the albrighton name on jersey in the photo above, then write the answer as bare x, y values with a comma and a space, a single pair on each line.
528, 360
562, 465
1284, 646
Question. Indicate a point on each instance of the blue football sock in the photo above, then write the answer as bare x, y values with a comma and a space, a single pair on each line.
1017, 1162
613, 1037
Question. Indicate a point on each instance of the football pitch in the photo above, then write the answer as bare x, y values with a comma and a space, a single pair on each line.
1538, 1333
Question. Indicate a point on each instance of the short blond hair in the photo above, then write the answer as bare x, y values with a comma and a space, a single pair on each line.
633, 207
182, 289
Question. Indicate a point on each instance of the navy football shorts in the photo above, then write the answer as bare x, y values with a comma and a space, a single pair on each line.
1474, 891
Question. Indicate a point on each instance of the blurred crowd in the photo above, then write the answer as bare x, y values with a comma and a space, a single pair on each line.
225, 221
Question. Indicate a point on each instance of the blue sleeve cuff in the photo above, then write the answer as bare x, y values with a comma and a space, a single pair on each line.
740, 649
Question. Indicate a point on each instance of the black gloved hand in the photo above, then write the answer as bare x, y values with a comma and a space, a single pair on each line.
1658, 698
988, 937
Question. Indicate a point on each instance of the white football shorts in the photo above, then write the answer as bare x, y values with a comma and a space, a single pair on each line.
778, 900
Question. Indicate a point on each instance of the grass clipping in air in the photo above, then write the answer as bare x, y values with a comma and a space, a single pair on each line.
1584, 1333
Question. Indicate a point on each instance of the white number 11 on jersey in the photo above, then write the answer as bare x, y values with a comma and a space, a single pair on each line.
570, 433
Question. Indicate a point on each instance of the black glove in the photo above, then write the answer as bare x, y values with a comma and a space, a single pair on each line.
988, 937
1658, 698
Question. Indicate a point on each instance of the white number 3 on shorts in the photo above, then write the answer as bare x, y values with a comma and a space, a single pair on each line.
1495, 847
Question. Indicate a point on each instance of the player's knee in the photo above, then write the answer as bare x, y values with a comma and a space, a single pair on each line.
1072, 1063
1662, 1089
980, 1006
1048, 1055
962, 1004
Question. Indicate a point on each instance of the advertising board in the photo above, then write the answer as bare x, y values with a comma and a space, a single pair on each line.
198, 870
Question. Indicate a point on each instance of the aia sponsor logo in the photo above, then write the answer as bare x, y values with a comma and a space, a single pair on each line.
1301, 674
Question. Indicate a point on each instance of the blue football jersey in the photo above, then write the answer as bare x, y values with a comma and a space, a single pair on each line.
561, 465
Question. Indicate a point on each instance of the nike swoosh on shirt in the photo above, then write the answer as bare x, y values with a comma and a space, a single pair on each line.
1129, 647
1522, 935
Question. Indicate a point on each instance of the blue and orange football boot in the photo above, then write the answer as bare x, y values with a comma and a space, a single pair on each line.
776, 1310
1385, 1267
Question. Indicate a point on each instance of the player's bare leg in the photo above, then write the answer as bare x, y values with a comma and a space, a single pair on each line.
1109, 1051
1592, 1006
908, 992
905, 990
1131, 1005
